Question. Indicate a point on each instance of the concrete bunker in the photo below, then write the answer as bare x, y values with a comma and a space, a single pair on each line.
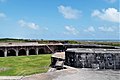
93, 58
22, 52
32, 52
1, 53
11, 52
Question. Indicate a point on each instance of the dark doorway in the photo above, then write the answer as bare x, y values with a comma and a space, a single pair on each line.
21, 52
41, 51
32, 52
11, 52
1, 53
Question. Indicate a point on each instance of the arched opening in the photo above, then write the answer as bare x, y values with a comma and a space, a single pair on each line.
41, 51
11, 52
21, 52
1, 53
32, 52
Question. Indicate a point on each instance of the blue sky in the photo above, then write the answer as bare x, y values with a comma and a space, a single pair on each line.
60, 19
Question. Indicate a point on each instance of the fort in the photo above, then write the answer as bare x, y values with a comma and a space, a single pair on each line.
33, 48
69, 57
76, 55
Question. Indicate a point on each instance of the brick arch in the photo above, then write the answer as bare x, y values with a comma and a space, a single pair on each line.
32, 51
11, 52
41, 51
21, 52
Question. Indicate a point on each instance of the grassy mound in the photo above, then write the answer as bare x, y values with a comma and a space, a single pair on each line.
24, 65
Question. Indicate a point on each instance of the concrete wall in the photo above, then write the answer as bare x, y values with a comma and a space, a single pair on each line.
93, 60
25, 50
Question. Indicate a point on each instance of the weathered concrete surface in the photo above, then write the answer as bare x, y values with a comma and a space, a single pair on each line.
59, 55
76, 74
93, 58
50, 75
70, 74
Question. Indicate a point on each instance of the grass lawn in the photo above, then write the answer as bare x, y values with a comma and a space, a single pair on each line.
24, 65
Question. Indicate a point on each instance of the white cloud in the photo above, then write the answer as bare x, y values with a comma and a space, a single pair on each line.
71, 30
28, 24
90, 29
106, 29
95, 13
110, 14
2, 15
111, 1
68, 12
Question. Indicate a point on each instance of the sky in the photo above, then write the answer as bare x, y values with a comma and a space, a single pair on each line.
60, 19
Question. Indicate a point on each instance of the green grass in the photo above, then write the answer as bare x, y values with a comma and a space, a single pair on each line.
24, 65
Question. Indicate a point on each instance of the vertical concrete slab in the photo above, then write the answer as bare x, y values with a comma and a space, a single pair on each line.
16, 52
5, 53
36, 51
27, 52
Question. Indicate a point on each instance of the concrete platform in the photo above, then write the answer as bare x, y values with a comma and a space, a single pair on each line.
76, 74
